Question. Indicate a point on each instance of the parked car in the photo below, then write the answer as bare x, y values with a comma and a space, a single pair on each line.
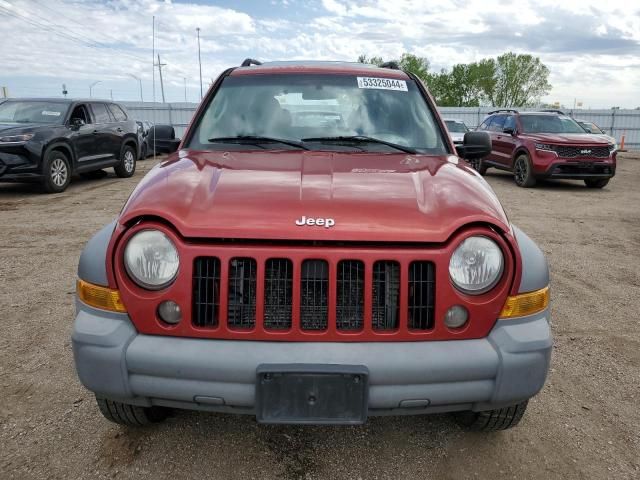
535, 145
304, 274
594, 129
143, 138
49, 140
457, 129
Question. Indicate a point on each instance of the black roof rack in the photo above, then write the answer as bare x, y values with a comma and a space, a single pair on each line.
551, 110
250, 61
392, 65
509, 110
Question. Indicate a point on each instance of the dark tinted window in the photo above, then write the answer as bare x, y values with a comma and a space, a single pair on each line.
117, 112
545, 123
484, 125
510, 122
497, 123
100, 113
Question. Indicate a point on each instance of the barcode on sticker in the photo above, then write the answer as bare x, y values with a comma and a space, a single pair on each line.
382, 83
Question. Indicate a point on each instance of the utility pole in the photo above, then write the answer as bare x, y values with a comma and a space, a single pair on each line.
139, 83
160, 65
199, 61
185, 89
153, 62
111, 93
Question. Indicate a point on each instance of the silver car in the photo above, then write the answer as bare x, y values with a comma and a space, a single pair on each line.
594, 129
457, 129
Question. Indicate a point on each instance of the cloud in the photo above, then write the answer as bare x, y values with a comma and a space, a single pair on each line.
49, 41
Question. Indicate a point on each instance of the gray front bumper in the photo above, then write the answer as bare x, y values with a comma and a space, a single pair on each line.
116, 362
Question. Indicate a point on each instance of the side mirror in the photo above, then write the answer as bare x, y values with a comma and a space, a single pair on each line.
509, 130
475, 145
76, 123
172, 145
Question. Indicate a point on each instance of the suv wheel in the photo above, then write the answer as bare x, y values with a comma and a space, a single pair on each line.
127, 166
523, 173
492, 420
596, 182
130, 415
57, 172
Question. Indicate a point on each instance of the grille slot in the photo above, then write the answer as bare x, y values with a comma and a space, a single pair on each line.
386, 295
573, 152
206, 292
314, 295
421, 295
241, 298
278, 293
350, 295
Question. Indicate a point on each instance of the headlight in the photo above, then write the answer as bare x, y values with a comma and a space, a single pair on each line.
17, 138
545, 146
613, 146
476, 265
151, 259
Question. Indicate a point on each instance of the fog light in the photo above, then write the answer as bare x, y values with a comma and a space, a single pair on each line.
456, 316
170, 312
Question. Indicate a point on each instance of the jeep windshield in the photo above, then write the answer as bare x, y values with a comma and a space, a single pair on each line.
549, 124
455, 126
318, 112
32, 111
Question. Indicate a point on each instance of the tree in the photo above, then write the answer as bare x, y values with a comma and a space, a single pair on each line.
520, 81
511, 80
419, 66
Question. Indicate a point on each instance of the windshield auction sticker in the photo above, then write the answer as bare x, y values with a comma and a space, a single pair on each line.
50, 113
382, 83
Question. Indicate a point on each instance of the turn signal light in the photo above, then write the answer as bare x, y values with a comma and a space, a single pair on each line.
526, 304
100, 297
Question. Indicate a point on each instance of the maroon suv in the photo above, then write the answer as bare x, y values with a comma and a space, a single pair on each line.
536, 145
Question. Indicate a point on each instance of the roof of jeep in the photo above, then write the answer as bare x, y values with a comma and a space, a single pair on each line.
309, 66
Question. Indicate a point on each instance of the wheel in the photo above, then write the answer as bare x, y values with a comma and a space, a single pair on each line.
127, 166
56, 172
596, 182
523, 173
130, 415
492, 420
478, 165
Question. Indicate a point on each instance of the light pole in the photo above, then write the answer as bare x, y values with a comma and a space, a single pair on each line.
185, 89
91, 87
199, 61
139, 83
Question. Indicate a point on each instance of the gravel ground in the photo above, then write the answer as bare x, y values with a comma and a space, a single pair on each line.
585, 423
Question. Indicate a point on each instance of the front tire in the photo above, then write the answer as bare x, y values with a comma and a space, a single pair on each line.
130, 415
492, 420
596, 182
523, 172
127, 166
56, 172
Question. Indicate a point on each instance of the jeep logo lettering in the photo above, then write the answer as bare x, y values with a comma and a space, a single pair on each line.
321, 222
585, 152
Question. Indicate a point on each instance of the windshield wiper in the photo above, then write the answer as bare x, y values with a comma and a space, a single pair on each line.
257, 139
360, 139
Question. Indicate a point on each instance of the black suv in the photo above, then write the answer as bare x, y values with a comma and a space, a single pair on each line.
48, 140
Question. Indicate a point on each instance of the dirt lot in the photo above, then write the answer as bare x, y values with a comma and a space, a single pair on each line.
585, 423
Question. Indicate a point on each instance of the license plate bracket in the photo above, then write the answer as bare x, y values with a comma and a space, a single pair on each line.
312, 394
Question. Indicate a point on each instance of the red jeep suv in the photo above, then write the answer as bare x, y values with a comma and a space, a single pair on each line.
547, 144
317, 251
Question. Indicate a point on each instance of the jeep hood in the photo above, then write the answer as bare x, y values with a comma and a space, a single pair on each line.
18, 128
261, 194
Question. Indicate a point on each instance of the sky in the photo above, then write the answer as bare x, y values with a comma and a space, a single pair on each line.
592, 47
